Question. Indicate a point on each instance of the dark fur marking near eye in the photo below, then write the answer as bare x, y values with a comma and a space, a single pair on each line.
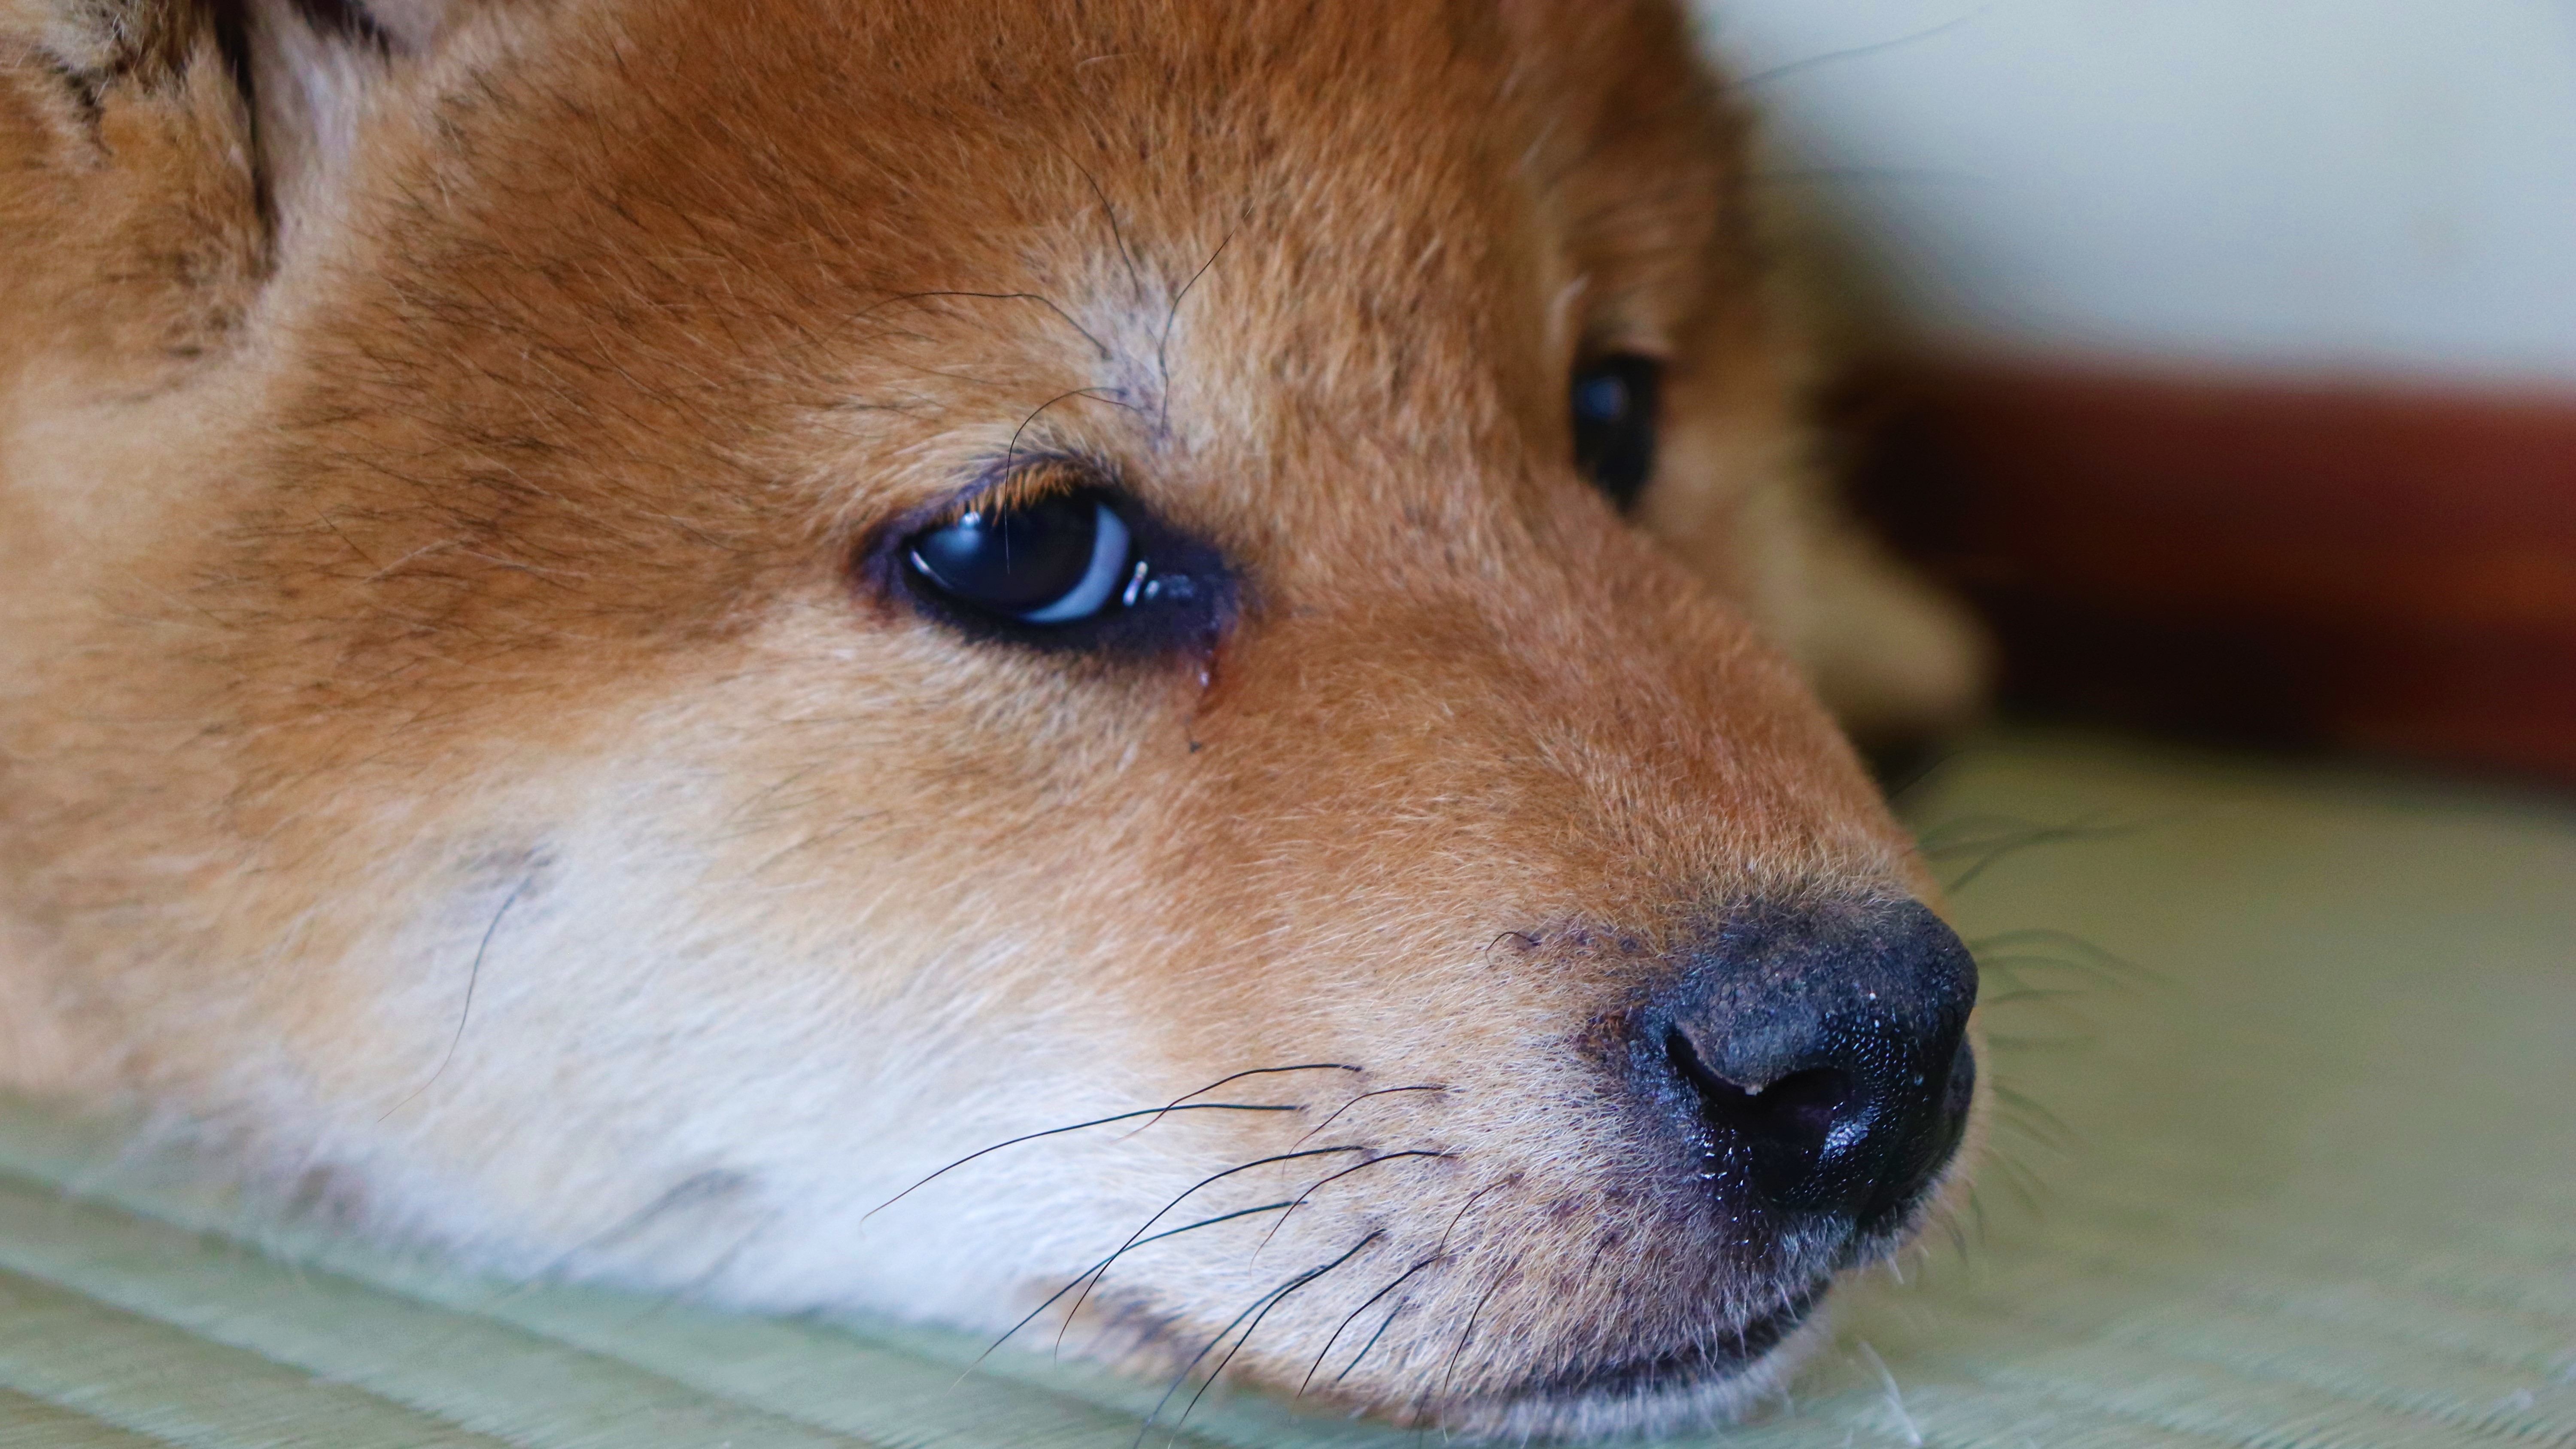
88, 91
230, 22
346, 21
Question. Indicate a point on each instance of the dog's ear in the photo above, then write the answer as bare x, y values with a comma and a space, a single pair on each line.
159, 154
312, 69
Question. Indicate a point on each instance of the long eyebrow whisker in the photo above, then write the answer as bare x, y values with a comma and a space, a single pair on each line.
1171, 319
1117, 234
1039, 298
1010, 454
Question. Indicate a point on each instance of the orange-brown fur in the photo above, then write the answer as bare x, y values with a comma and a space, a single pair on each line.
443, 740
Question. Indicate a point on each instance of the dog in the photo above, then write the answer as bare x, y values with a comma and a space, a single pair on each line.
1131, 668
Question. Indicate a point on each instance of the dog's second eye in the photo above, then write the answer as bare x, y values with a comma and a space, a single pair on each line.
1055, 561
1616, 402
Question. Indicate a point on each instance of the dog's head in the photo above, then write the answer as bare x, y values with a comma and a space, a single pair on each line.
757, 610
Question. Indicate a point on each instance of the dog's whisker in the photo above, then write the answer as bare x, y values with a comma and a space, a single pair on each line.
1963, 831
1500, 1274
712, 1185
1529, 942
2094, 957
1103, 1266
2017, 1176
2030, 993
1175, 1103
1171, 319
1010, 454
723, 1263
1132, 1241
1256, 1326
473, 978
1330, 1178
1994, 839
1461, 1216
1996, 854
1353, 1316
2012, 969
1362, 1097
2032, 1042
1190, 1368
1392, 1315
2036, 1115
1155, 1112
1109, 213
1039, 298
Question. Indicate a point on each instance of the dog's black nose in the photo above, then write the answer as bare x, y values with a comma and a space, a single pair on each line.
1824, 1051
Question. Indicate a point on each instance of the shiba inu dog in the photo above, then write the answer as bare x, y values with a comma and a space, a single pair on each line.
1132, 664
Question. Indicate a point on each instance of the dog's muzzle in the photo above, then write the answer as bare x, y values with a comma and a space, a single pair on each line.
1801, 1081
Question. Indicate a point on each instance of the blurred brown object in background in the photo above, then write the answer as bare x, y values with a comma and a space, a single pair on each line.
2318, 564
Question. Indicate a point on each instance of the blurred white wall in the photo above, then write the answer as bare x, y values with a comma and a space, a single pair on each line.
2348, 185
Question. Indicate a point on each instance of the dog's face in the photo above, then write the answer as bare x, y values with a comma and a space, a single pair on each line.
771, 595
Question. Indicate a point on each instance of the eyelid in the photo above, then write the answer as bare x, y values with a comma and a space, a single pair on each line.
1032, 481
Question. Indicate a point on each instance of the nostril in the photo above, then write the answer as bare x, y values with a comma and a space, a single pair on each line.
1792, 1125
1804, 1110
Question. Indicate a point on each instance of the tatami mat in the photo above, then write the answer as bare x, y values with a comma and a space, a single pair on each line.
2287, 1161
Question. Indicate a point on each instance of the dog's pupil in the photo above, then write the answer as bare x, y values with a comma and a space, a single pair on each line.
1013, 561
1601, 399
1615, 402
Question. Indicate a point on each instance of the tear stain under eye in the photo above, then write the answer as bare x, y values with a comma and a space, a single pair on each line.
1211, 674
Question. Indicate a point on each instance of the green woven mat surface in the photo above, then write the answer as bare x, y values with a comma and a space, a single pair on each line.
2288, 1159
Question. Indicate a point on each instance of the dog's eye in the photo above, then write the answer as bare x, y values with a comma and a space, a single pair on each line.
1616, 402
1055, 561
1087, 569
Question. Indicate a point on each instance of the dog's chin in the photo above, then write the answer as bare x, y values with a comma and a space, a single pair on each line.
1710, 1382
1718, 1379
